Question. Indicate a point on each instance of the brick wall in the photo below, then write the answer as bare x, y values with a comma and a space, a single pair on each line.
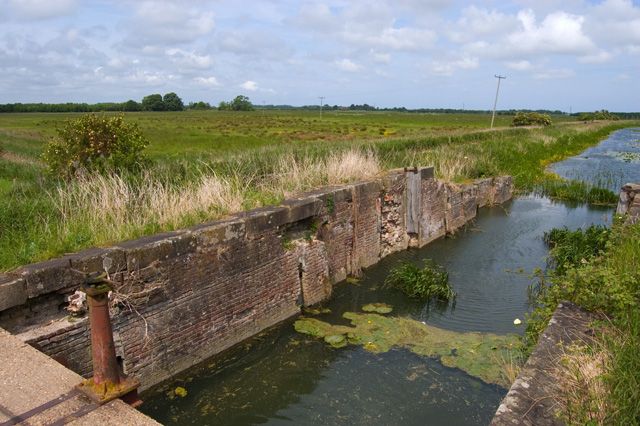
186, 295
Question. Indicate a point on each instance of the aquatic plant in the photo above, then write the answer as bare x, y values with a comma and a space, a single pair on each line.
479, 354
378, 308
569, 248
432, 281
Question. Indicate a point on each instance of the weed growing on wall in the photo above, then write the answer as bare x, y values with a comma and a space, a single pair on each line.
429, 282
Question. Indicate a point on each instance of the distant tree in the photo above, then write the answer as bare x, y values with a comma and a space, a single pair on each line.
172, 102
153, 103
201, 105
241, 103
131, 105
224, 106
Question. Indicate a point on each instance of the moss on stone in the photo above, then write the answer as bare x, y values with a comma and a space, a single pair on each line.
479, 354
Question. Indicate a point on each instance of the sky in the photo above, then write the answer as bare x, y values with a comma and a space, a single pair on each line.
573, 55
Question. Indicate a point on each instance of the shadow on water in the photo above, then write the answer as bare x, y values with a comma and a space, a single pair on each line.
282, 377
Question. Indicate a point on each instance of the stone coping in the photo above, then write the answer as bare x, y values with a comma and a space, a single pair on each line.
531, 398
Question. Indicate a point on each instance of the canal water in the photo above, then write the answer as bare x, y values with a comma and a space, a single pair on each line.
610, 164
283, 377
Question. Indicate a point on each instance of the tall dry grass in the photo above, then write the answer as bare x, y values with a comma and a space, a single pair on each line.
111, 208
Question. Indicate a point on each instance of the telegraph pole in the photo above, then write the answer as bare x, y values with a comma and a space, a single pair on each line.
321, 101
493, 117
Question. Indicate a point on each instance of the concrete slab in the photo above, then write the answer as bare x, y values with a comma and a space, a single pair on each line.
29, 379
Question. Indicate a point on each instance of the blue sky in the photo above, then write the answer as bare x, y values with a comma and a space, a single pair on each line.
576, 54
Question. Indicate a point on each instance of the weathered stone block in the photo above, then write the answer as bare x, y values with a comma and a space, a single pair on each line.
13, 291
217, 232
469, 201
144, 251
393, 234
264, 219
484, 188
502, 189
95, 260
432, 220
302, 208
314, 272
454, 214
49, 276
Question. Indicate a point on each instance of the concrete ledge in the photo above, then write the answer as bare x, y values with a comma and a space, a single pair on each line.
531, 399
47, 380
13, 291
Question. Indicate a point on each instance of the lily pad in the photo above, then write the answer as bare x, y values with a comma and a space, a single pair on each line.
336, 340
316, 311
378, 308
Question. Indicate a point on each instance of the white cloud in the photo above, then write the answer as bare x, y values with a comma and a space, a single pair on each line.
249, 85
158, 23
381, 58
559, 32
598, 57
207, 81
393, 38
449, 67
40, 9
189, 59
615, 22
519, 65
554, 74
476, 23
347, 65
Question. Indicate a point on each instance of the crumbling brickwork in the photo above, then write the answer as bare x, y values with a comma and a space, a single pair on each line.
186, 295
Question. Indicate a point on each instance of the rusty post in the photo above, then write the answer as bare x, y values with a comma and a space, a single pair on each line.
108, 382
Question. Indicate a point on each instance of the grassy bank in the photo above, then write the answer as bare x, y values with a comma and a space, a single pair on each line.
196, 180
596, 268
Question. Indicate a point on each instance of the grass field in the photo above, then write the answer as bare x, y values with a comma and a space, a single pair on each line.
208, 164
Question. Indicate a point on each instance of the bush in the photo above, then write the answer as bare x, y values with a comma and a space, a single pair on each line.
430, 282
598, 115
95, 143
531, 119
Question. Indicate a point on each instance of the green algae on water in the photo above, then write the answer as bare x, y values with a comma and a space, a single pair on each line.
336, 340
479, 354
378, 308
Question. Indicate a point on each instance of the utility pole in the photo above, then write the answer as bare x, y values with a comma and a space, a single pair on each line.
321, 101
493, 117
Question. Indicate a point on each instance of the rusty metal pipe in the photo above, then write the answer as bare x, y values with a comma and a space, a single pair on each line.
103, 350
108, 382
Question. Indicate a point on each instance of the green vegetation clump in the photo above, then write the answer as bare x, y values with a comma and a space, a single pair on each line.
479, 354
430, 282
239, 103
570, 248
531, 119
95, 143
598, 115
597, 269
378, 308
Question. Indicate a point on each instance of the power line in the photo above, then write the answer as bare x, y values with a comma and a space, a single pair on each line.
321, 101
495, 103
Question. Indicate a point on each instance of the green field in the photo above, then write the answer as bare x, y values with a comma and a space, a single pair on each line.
211, 163
193, 134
